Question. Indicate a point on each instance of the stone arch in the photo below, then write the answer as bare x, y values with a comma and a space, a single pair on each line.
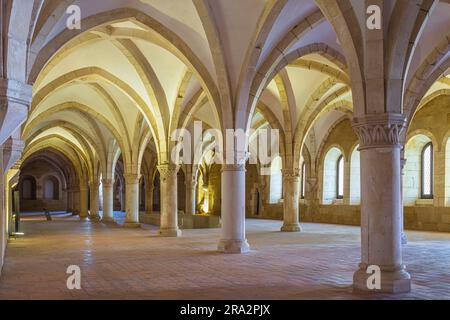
180, 50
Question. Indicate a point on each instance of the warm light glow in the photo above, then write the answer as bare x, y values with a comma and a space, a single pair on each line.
205, 205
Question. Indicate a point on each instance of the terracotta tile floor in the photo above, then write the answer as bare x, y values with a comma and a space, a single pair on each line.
119, 263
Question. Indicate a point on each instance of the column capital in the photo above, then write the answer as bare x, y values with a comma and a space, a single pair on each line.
291, 174
379, 130
108, 182
167, 170
131, 178
95, 184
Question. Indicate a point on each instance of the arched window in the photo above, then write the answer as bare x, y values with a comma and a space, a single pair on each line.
340, 178
331, 176
427, 172
51, 188
303, 181
276, 181
355, 177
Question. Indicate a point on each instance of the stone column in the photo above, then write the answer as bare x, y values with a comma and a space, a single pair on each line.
191, 187
132, 200
312, 198
108, 200
291, 180
402, 207
69, 193
15, 99
233, 209
122, 198
346, 198
169, 201
149, 198
94, 201
381, 202
76, 201
438, 177
83, 202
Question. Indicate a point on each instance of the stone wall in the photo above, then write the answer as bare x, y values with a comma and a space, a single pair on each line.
40, 171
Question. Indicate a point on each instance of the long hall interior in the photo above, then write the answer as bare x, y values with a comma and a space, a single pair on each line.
117, 156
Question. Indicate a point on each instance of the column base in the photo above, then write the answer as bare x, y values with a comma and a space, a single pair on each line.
94, 218
169, 232
404, 238
398, 281
291, 227
234, 246
131, 225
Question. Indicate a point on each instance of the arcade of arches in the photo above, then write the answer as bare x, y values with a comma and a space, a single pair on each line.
87, 117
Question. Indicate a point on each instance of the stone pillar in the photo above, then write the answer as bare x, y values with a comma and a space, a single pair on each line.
438, 177
291, 180
83, 202
149, 198
15, 99
233, 210
122, 198
3, 222
132, 200
312, 198
381, 202
169, 201
402, 207
69, 193
346, 198
76, 201
191, 187
94, 202
108, 200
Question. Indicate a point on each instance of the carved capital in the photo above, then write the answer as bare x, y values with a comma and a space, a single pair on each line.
379, 130
108, 182
167, 170
132, 178
291, 174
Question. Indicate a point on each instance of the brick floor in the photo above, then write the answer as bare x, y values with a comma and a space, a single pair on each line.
120, 263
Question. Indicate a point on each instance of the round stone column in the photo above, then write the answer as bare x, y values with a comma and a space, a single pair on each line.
381, 219
169, 201
132, 200
402, 207
76, 200
94, 202
233, 210
108, 200
83, 202
291, 180
69, 192
149, 197
191, 187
